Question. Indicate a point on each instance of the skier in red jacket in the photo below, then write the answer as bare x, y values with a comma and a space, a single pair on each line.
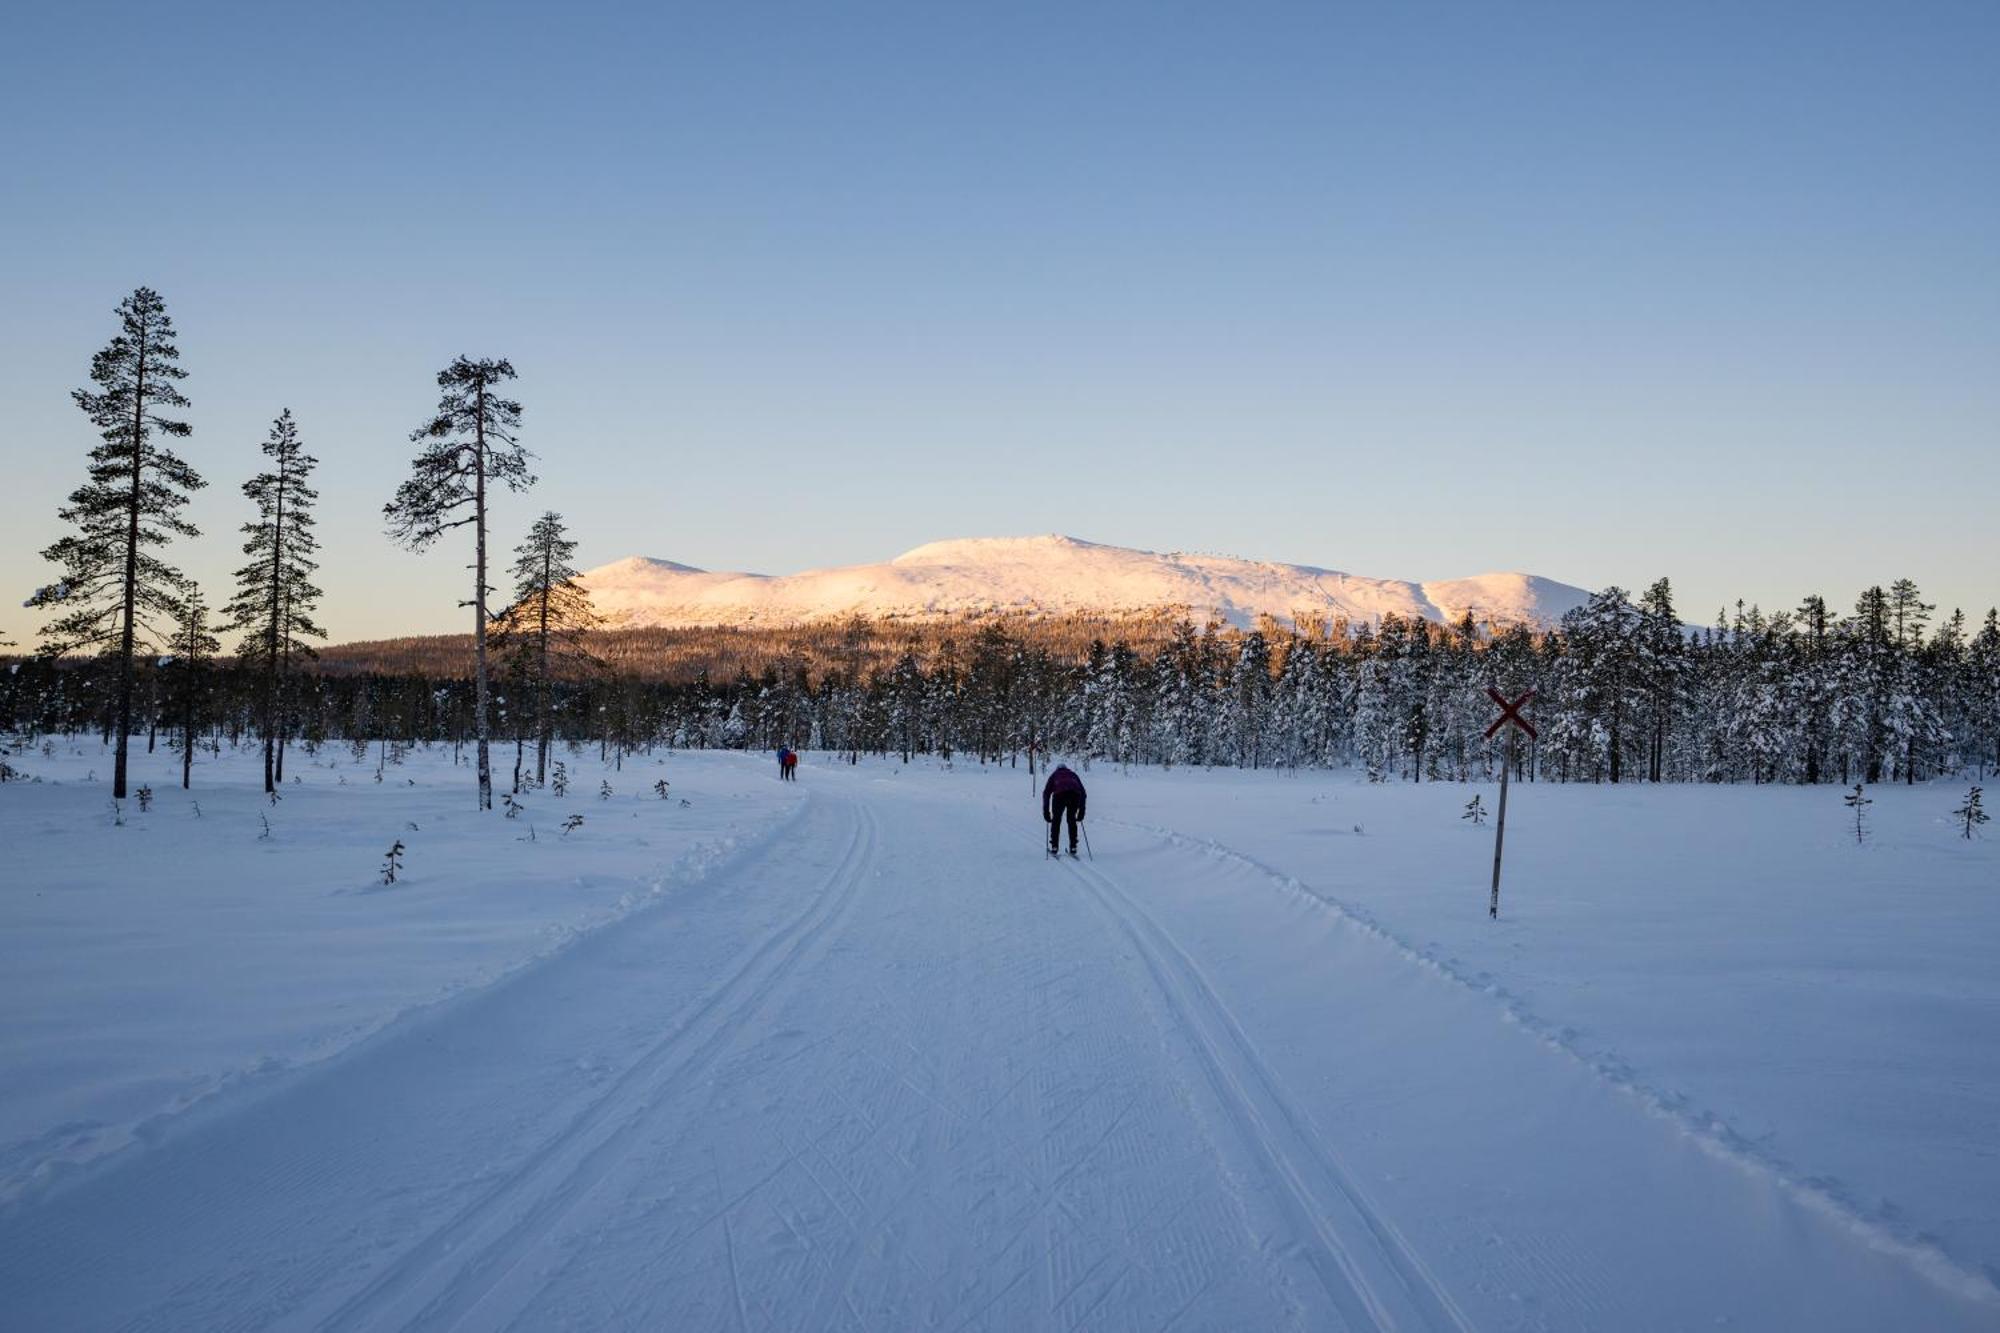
1062, 794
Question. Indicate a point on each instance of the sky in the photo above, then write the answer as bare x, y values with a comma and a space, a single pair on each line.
1598, 291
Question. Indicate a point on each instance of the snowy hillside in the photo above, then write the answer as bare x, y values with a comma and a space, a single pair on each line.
1056, 574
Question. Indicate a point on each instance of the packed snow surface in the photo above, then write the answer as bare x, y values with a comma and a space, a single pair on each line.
1056, 574
852, 1053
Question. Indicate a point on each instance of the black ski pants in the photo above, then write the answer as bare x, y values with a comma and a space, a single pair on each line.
1064, 803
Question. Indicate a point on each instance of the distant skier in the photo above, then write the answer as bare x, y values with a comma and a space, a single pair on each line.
1062, 795
788, 766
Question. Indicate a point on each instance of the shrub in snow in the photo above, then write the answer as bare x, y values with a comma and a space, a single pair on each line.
510, 805
1475, 810
660, 789
392, 863
559, 779
1969, 815
604, 790
573, 823
1859, 804
145, 795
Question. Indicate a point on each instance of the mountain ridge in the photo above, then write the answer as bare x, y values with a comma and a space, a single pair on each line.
1054, 574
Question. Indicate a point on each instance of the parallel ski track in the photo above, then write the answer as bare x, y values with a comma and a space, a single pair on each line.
446, 1276
1366, 1266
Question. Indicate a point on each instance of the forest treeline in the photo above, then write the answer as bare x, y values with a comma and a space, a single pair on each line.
1625, 692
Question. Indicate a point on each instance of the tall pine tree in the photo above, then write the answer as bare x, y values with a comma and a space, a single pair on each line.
547, 622
114, 591
468, 447
275, 595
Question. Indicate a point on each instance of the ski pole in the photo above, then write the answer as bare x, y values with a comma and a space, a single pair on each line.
1086, 840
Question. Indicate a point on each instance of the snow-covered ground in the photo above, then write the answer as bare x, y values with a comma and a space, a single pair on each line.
850, 1053
146, 967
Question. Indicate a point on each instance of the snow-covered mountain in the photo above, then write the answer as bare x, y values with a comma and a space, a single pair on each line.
1057, 575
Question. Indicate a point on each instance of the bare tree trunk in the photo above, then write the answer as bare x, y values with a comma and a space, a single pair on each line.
126, 632
480, 691
187, 728
542, 675
271, 664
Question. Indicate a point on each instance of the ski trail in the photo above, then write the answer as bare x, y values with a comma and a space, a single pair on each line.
451, 1273
1708, 1128
1364, 1263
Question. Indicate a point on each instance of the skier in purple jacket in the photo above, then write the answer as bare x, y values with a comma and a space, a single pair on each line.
1062, 794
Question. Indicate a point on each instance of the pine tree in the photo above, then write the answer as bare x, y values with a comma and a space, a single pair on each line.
275, 596
1858, 803
547, 623
1983, 672
468, 445
192, 643
1970, 815
114, 590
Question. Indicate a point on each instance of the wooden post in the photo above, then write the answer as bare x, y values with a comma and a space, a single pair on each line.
1500, 830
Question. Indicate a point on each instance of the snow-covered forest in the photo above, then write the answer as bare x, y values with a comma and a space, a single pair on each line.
1626, 693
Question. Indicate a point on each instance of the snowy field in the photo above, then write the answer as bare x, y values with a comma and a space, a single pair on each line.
852, 1054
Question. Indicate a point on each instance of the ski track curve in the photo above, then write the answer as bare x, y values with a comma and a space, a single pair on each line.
1874, 1229
454, 1270
1368, 1269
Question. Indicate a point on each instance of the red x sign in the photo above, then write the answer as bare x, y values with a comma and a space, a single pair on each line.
1510, 713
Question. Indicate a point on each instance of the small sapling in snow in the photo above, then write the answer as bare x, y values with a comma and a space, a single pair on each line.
145, 797
573, 823
559, 779
1475, 810
510, 805
197, 808
660, 789
604, 790
275, 798
1858, 803
1969, 815
392, 863
265, 836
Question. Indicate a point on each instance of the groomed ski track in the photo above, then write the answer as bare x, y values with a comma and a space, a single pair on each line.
892, 1069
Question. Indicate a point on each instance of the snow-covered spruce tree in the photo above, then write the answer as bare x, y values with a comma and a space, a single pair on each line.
1983, 671
546, 625
1970, 815
114, 591
275, 596
468, 447
193, 646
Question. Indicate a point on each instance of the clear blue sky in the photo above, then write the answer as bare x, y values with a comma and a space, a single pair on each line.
1600, 291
